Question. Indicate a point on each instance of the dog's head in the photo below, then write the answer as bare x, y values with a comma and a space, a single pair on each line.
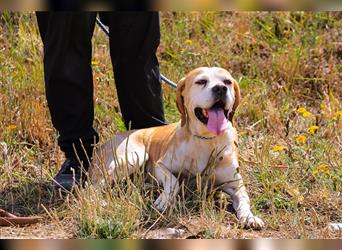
207, 99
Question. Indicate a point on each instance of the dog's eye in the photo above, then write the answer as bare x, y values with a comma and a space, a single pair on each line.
227, 82
201, 82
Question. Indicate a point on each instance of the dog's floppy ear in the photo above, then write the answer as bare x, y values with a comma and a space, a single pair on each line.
180, 100
237, 100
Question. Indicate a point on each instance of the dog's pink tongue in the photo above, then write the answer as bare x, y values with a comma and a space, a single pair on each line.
217, 122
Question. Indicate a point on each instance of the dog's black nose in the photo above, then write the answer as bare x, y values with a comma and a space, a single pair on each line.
219, 91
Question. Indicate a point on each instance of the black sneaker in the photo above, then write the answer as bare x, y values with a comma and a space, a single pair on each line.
72, 173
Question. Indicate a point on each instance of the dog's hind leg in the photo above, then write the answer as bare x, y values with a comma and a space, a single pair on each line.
117, 161
129, 158
170, 185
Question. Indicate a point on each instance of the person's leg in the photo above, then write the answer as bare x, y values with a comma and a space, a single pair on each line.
134, 38
68, 79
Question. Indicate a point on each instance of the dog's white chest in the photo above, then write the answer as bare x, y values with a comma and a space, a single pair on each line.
190, 157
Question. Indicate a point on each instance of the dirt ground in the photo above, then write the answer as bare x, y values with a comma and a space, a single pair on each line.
65, 230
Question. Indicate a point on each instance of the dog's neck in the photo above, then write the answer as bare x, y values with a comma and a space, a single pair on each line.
203, 137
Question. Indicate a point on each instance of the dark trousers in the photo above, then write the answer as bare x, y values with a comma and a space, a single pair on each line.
134, 38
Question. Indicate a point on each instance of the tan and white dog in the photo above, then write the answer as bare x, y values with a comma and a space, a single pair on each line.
207, 99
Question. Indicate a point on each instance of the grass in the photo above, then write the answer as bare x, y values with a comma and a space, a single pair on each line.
289, 66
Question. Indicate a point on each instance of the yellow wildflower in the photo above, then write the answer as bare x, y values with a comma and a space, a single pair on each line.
241, 133
322, 167
278, 148
327, 172
315, 172
188, 41
306, 114
301, 110
312, 130
94, 63
339, 113
12, 127
301, 139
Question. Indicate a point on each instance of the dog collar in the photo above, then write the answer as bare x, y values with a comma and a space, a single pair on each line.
198, 136
204, 138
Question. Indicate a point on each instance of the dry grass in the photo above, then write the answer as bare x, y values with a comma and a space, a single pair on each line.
283, 61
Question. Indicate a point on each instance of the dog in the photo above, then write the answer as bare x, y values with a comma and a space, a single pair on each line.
206, 98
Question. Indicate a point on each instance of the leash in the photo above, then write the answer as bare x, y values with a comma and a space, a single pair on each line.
8, 219
164, 78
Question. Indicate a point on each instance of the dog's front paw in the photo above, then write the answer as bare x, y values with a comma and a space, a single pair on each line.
252, 222
161, 202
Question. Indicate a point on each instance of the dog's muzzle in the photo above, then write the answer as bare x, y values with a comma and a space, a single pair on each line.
214, 118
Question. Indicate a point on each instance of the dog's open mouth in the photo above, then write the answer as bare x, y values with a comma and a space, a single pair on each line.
215, 118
